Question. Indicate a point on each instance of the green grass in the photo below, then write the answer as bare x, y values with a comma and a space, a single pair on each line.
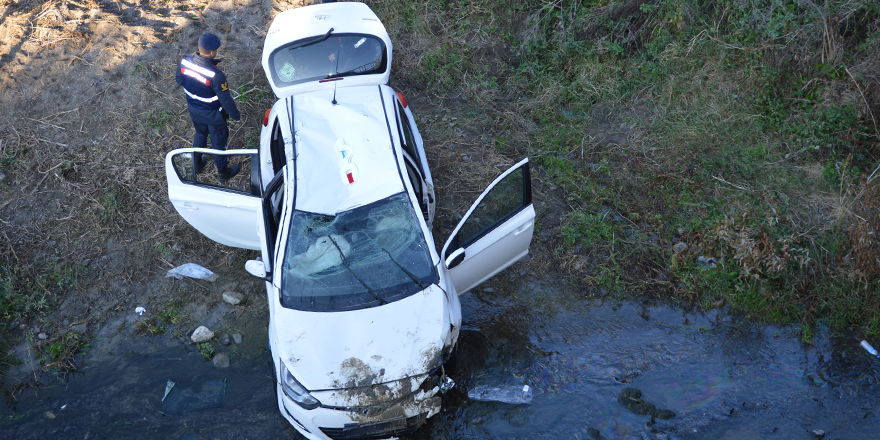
206, 349
159, 118
111, 204
685, 121
170, 313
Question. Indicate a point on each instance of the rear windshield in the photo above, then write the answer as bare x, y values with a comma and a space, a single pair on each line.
317, 58
368, 256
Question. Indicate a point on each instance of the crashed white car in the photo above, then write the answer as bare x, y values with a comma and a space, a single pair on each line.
363, 310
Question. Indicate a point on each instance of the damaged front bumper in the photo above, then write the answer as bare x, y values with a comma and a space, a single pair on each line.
364, 413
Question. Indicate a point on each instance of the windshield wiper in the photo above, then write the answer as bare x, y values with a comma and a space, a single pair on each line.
345, 263
408, 273
312, 41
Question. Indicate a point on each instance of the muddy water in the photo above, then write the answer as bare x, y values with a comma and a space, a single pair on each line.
722, 377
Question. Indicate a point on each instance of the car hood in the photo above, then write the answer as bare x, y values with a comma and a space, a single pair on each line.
360, 348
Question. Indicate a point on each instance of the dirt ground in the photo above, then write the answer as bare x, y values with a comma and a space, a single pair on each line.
91, 108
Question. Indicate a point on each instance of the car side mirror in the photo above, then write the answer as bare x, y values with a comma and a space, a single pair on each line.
183, 165
258, 270
455, 258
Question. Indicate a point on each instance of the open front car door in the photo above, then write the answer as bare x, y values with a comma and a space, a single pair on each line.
226, 213
495, 232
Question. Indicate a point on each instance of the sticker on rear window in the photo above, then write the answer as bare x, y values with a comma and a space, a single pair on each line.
287, 71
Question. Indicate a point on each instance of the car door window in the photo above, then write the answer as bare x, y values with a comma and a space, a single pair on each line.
276, 148
272, 208
244, 182
407, 138
508, 197
415, 178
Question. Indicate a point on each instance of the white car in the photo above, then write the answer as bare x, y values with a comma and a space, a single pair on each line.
363, 311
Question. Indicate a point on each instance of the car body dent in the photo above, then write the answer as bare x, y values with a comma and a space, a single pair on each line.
410, 334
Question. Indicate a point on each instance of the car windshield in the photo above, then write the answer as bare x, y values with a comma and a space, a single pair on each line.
323, 57
368, 256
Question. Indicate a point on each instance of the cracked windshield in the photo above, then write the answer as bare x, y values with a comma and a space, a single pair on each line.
368, 256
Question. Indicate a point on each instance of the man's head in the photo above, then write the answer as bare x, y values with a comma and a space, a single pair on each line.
208, 45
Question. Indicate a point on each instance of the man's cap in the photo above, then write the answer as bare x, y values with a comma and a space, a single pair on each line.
209, 42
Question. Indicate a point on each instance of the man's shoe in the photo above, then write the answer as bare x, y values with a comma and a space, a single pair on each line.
228, 173
200, 164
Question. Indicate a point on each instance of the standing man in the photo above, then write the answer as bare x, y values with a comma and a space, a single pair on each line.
209, 102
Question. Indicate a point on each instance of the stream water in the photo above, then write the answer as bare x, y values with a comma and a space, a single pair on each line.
723, 377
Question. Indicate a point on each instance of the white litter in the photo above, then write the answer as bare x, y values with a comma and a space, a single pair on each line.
140, 310
192, 270
168, 387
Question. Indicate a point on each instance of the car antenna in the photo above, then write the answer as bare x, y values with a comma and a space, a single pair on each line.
336, 70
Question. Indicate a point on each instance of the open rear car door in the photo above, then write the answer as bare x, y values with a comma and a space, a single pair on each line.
495, 232
226, 213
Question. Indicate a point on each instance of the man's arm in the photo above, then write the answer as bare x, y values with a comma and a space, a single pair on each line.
221, 88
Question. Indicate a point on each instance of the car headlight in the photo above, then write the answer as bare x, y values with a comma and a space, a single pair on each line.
293, 389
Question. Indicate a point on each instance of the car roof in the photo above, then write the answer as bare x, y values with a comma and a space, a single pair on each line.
316, 20
344, 153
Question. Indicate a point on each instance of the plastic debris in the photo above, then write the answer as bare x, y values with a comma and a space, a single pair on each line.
514, 395
870, 349
446, 384
192, 270
168, 387
198, 397
140, 310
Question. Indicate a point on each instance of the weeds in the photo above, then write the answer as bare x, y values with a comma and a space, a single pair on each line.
159, 118
111, 205
206, 349
59, 355
685, 122
171, 313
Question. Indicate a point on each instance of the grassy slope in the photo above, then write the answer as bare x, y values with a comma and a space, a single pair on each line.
743, 129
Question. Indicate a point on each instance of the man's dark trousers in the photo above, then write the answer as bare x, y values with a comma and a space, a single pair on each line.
219, 134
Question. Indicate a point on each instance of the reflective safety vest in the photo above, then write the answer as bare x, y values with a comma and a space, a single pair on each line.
207, 92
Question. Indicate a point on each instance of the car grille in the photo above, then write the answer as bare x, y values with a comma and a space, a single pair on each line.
375, 430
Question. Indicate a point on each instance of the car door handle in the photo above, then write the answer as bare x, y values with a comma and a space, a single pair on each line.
189, 206
522, 229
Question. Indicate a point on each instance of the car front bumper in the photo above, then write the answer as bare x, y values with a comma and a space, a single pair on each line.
363, 423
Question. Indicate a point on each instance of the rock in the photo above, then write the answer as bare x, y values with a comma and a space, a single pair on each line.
178, 247
237, 338
680, 247
489, 290
664, 414
818, 433
2, 176
631, 398
681, 231
65, 323
224, 339
202, 334
43, 336
36, 329
233, 297
465, 158
221, 360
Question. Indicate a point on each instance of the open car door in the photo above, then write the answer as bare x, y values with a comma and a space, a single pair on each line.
495, 232
226, 213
